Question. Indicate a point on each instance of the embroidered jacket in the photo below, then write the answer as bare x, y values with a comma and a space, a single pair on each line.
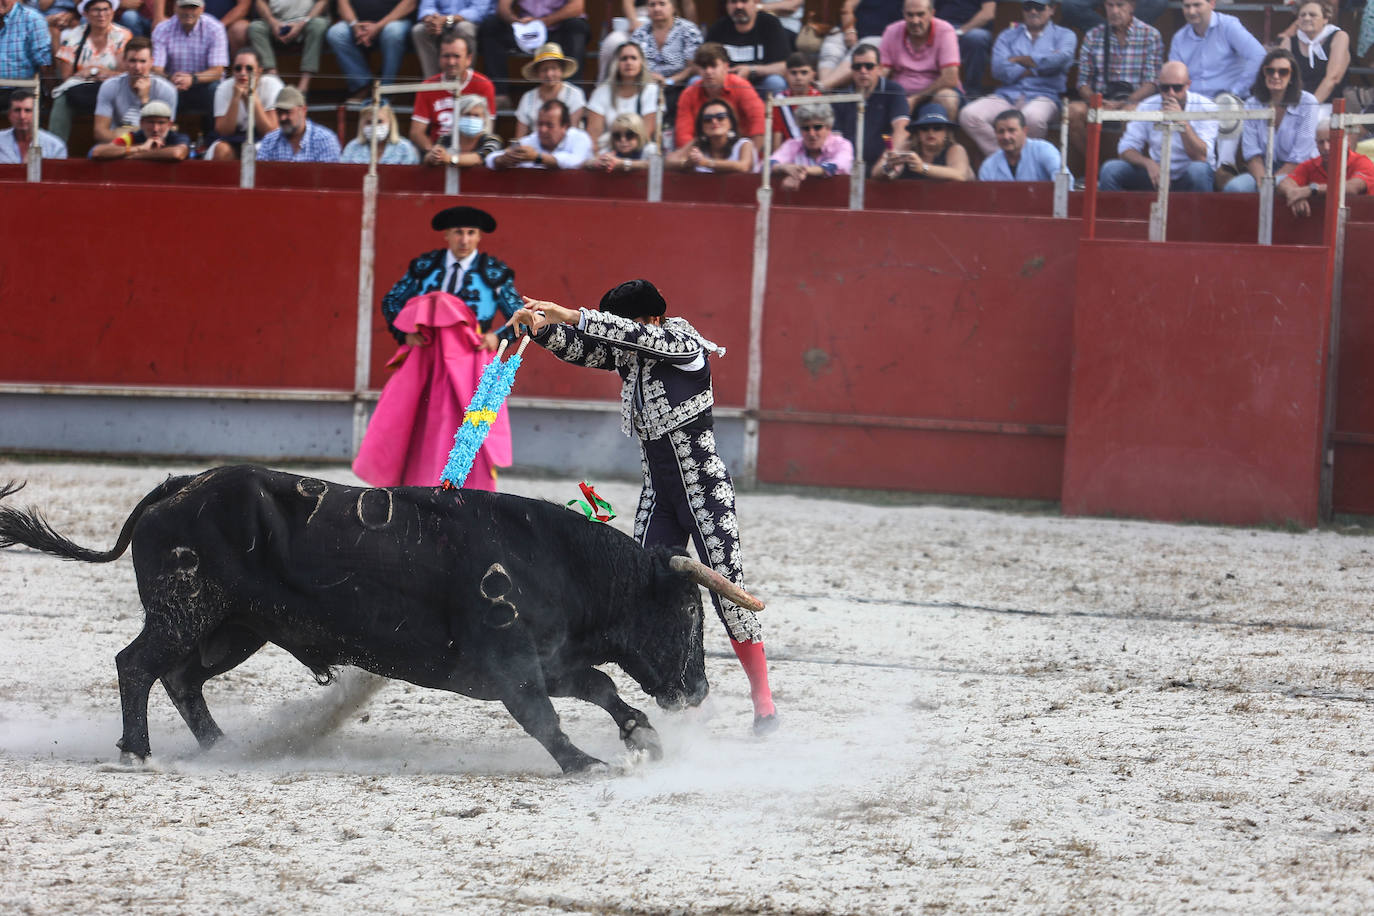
665, 376
488, 285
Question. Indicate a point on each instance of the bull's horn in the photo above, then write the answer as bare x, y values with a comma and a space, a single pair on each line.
705, 575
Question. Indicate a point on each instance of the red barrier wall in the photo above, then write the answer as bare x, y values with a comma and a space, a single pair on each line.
183, 286
1197, 393
573, 251
1354, 484
938, 318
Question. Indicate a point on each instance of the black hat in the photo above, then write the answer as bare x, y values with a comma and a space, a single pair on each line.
634, 299
461, 218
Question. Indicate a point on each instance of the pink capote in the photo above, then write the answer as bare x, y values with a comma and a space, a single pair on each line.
411, 433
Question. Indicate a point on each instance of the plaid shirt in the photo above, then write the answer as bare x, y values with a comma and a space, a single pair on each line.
1136, 61
318, 145
176, 52
24, 43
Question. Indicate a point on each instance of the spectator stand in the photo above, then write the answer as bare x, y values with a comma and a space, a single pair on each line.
1159, 211
34, 159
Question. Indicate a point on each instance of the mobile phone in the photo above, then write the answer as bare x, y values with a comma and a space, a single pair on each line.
283, 30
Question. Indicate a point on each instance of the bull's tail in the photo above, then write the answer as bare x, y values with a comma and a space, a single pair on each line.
27, 527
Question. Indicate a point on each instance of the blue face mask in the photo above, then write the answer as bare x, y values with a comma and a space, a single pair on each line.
470, 125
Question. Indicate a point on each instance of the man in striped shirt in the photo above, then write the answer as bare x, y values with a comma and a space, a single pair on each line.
25, 46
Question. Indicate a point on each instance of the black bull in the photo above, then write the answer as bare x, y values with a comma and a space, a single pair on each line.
489, 595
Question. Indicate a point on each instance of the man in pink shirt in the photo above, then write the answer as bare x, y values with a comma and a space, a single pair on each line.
921, 54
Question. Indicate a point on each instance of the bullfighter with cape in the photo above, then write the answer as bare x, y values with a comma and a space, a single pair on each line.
665, 402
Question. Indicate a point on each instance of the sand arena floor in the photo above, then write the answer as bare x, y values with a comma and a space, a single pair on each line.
982, 712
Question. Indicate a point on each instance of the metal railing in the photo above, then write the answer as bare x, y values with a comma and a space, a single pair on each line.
1159, 210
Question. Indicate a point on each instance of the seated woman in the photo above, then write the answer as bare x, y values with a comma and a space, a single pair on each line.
1322, 50
630, 146
631, 89
231, 106
87, 55
392, 148
476, 137
717, 147
549, 68
1296, 115
818, 153
932, 152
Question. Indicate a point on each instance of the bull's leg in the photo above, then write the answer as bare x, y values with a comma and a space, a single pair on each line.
596, 687
530, 706
225, 649
152, 654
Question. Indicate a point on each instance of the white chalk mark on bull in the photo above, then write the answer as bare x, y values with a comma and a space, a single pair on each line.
496, 583
307, 488
362, 514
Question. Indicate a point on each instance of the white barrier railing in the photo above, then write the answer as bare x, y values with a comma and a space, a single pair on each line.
34, 158
1159, 211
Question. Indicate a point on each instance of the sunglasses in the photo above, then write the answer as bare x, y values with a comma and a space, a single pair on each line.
244, 68
812, 128
865, 66
624, 135
1172, 87
716, 116
1278, 71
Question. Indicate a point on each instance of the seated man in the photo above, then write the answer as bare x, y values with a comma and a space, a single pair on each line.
298, 139
121, 99
1082, 15
25, 45
1309, 178
192, 50
437, 20
820, 153
921, 54
154, 139
717, 82
1123, 71
1019, 158
801, 81
1031, 60
16, 139
431, 124
1142, 143
555, 143
972, 21
1218, 51
756, 43
363, 25
886, 113
565, 24
289, 22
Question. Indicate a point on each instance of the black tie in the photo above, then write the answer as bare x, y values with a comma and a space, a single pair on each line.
453, 280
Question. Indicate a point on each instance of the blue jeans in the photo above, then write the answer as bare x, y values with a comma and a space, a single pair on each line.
135, 23
1120, 175
975, 46
1083, 14
1245, 184
353, 59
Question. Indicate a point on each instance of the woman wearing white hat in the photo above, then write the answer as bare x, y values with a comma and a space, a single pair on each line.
87, 55
550, 68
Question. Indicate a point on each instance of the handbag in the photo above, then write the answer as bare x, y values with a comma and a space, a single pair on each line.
1115, 90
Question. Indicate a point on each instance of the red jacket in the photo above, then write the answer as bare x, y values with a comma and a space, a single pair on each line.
738, 93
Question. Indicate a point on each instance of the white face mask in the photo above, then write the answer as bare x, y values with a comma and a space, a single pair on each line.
470, 125
378, 131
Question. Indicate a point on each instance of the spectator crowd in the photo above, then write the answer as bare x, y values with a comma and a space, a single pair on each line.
948, 96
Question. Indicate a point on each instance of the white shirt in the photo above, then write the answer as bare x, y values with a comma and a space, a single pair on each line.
268, 87
462, 267
51, 145
1148, 138
575, 150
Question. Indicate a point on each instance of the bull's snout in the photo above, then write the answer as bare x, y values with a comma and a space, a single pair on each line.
674, 698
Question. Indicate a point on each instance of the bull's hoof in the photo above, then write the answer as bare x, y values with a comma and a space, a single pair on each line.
642, 737
583, 763
765, 725
130, 763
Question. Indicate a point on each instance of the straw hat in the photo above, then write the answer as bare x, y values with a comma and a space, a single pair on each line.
549, 51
